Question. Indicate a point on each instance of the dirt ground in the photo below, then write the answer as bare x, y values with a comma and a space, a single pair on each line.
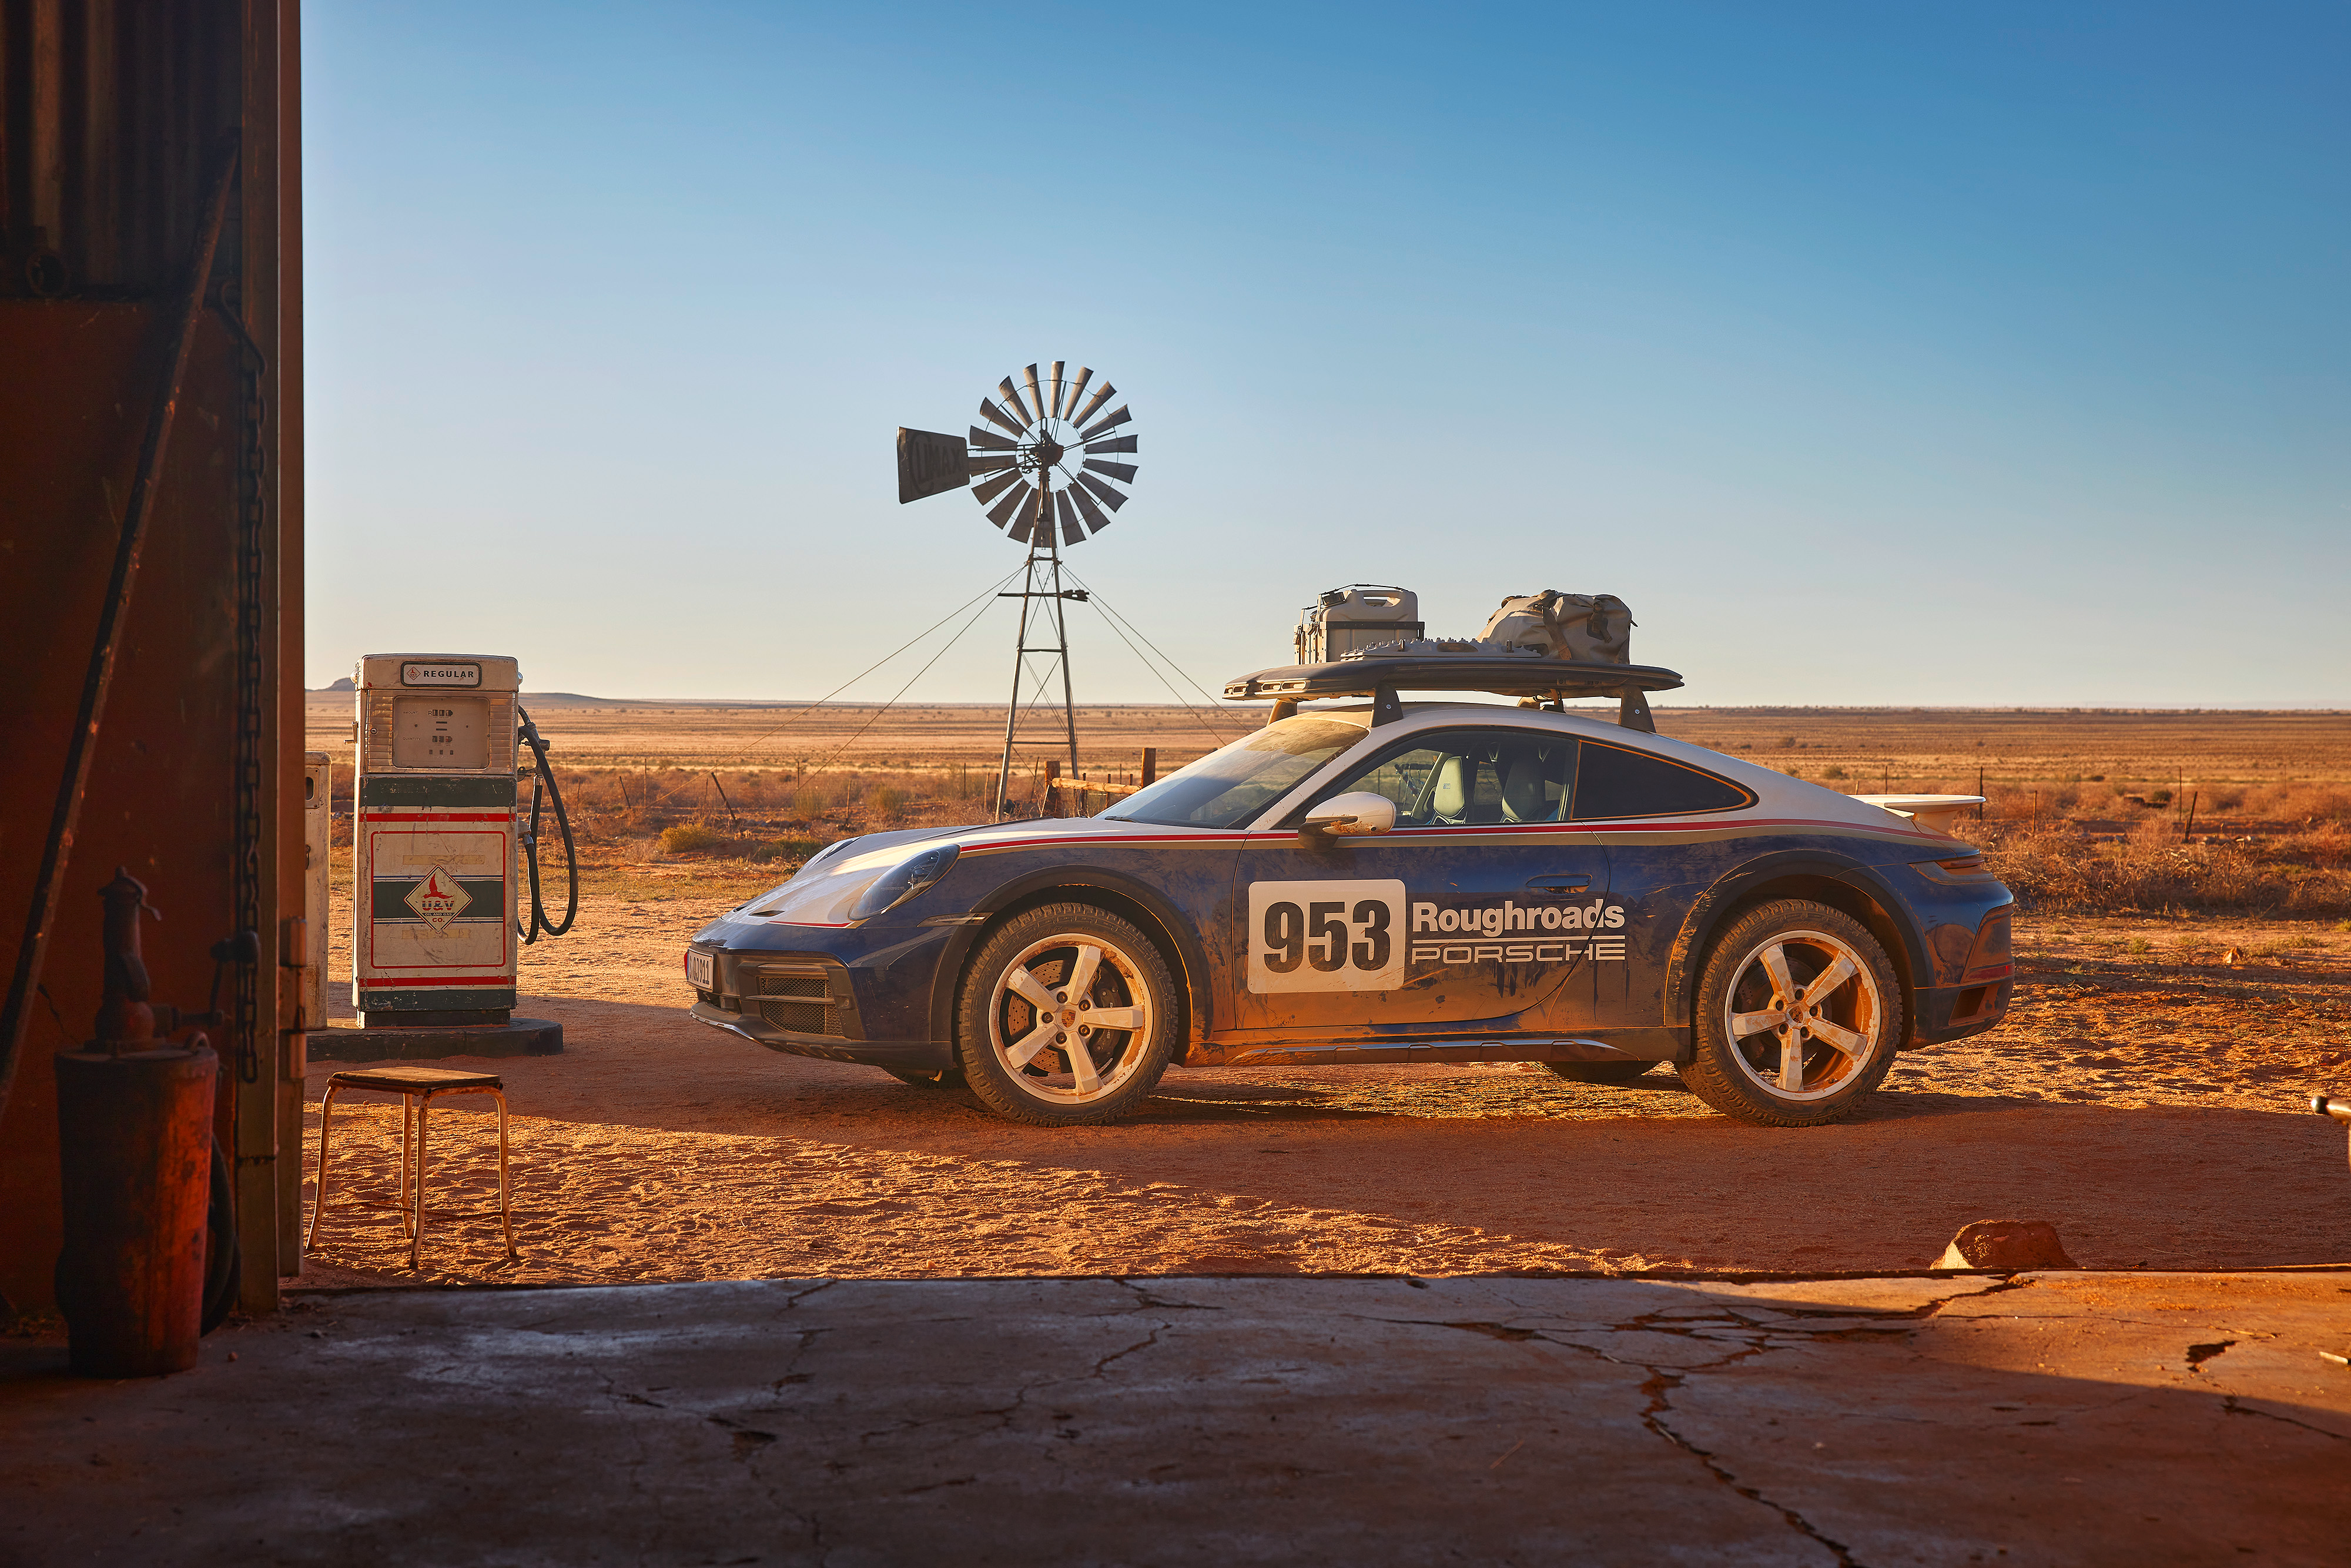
2147, 1097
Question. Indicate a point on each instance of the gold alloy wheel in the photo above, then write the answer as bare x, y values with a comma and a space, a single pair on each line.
1070, 1019
1804, 1015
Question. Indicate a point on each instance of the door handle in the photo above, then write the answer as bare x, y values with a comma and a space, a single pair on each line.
1558, 884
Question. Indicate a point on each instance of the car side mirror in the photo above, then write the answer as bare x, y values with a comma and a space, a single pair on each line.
1348, 816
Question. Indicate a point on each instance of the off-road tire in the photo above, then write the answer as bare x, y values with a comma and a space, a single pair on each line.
1745, 1077
1613, 1074
994, 1020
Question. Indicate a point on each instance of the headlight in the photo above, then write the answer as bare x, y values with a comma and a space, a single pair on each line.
903, 881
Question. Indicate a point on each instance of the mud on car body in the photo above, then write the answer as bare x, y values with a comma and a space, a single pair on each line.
1455, 882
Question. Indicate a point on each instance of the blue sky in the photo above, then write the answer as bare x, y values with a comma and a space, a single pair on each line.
1995, 353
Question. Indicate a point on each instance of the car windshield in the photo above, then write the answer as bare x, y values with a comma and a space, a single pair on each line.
1230, 786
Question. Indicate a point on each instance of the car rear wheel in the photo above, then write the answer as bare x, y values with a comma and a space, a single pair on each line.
1068, 1014
1798, 1017
1616, 1074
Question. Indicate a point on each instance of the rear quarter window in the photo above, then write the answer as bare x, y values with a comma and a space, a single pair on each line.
1616, 782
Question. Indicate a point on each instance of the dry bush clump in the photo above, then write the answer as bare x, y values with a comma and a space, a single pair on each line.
2057, 866
771, 816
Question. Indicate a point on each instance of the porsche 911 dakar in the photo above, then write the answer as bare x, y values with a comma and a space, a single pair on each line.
1387, 881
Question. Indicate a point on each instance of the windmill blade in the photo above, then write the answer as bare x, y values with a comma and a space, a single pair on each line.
1072, 533
1054, 408
1112, 444
1036, 397
1003, 511
988, 462
1012, 396
1108, 392
1094, 518
1078, 387
985, 493
1109, 496
929, 464
1121, 472
988, 441
995, 416
1109, 422
1032, 510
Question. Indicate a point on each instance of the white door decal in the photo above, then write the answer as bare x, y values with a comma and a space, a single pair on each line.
1326, 936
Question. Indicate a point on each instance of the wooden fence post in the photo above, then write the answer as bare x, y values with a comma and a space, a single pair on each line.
1150, 765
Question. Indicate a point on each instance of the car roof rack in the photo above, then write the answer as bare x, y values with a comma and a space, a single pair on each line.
1546, 680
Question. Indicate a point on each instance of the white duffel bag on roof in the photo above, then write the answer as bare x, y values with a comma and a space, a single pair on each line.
1594, 628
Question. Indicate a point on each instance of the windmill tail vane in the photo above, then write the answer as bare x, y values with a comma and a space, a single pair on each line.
1042, 465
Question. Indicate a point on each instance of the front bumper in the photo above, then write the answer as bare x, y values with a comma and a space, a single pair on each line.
867, 1004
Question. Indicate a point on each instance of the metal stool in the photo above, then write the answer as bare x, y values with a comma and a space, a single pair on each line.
417, 1087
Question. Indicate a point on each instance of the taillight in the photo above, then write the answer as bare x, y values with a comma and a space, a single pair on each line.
1990, 959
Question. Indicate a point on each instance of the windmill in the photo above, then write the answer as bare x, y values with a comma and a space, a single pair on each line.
1011, 463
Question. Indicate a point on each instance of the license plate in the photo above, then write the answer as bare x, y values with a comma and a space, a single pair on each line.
700, 968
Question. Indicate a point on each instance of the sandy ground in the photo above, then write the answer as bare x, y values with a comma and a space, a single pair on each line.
2147, 1098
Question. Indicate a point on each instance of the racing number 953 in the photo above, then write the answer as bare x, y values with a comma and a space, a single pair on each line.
1318, 934
1325, 935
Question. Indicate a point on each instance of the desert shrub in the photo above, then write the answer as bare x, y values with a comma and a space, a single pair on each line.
886, 801
2322, 846
1832, 771
793, 850
2311, 803
691, 838
2054, 867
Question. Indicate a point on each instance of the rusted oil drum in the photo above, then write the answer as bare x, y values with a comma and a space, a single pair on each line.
135, 1133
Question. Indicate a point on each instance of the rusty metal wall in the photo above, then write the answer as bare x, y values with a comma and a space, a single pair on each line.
111, 118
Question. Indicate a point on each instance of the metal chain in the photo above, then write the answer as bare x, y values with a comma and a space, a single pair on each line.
251, 551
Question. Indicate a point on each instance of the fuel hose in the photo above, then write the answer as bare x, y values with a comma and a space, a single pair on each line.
543, 785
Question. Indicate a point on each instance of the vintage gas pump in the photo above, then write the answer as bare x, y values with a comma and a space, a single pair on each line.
439, 849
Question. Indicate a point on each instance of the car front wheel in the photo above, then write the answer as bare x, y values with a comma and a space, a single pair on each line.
1068, 1014
1798, 1017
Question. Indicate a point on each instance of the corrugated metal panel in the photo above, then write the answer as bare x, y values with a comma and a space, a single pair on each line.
111, 117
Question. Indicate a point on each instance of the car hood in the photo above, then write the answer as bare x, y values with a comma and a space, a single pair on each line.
824, 891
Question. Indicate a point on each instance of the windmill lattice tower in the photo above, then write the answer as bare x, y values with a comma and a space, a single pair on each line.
1017, 465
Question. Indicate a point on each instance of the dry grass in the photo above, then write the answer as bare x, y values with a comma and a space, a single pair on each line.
2088, 810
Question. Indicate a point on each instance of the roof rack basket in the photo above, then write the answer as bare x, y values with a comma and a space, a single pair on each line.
1546, 680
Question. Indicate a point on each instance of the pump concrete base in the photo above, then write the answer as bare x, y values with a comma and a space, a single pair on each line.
518, 1036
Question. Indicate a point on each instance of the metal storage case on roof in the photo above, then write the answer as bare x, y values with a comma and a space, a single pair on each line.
1347, 620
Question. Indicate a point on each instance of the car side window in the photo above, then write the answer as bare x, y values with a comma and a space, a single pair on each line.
1618, 781
1459, 776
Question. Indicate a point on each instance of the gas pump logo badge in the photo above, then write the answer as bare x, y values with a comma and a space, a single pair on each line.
439, 898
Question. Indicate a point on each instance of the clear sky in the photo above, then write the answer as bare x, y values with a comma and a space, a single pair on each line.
1983, 353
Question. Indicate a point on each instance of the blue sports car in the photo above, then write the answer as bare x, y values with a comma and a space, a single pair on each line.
1390, 882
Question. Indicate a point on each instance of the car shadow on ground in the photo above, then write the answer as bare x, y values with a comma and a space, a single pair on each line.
656, 1147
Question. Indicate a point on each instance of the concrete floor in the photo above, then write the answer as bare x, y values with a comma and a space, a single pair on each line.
2045, 1418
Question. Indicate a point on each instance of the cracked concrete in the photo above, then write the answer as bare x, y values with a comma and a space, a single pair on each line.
2044, 1418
